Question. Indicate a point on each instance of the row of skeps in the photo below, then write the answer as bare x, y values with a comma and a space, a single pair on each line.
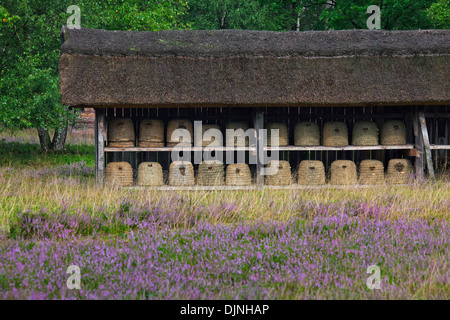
309, 172
334, 134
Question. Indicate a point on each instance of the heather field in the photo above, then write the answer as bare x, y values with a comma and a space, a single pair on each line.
267, 244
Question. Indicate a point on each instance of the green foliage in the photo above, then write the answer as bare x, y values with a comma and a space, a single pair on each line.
395, 14
285, 15
439, 13
241, 14
29, 50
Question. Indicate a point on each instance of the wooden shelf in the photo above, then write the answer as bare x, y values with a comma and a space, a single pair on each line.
256, 187
170, 149
346, 148
439, 147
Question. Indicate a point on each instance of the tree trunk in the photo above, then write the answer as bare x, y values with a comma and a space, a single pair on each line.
44, 139
59, 139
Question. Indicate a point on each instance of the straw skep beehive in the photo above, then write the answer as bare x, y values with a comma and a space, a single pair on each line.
181, 173
238, 175
119, 173
371, 172
365, 133
150, 174
335, 134
177, 139
399, 171
211, 173
212, 140
393, 132
307, 134
151, 133
310, 173
282, 177
281, 135
235, 140
343, 172
121, 133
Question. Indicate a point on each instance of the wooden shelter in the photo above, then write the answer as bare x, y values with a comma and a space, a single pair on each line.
264, 77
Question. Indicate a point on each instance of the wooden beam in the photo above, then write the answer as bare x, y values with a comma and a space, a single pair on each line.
346, 148
100, 124
287, 148
426, 142
258, 122
170, 149
419, 147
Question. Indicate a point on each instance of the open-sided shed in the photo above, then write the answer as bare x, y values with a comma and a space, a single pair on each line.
262, 77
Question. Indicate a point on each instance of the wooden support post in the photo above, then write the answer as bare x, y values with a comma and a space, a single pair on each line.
419, 147
258, 121
426, 142
100, 129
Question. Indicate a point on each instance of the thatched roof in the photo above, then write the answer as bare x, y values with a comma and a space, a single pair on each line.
254, 68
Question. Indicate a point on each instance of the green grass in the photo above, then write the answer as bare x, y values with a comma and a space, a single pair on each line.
16, 154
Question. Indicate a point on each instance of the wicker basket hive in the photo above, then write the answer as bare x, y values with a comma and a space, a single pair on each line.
393, 132
238, 175
343, 172
365, 133
150, 174
311, 172
176, 124
119, 173
200, 141
181, 173
283, 139
399, 171
151, 133
231, 140
335, 134
121, 133
371, 172
307, 134
211, 173
282, 177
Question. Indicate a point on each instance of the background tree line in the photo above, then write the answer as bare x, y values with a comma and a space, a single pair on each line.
30, 39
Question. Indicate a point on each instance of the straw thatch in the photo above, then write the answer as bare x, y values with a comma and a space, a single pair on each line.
201, 141
119, 173
393, 132
371, 172
365, 133
282, 134
399, 171
211, 173
150, 174
178, 140
335, 134
238, 175
283, 175
236, 139
311, 172
254, 68
343, 172
121, 133
307, 134
181, 173
151, 133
